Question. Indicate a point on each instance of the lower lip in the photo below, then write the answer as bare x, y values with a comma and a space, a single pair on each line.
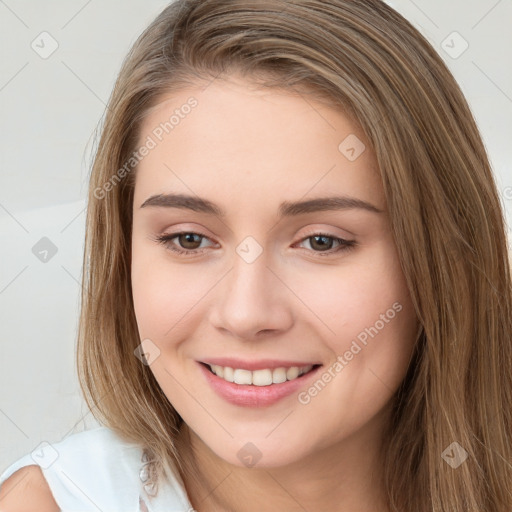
254, 396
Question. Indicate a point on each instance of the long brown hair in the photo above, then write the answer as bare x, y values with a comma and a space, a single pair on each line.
445, 213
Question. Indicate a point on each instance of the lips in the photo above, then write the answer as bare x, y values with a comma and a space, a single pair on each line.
249, 395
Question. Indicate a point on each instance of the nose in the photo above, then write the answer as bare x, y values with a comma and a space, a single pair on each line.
251, 301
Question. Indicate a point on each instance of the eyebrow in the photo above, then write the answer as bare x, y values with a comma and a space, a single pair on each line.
286, 209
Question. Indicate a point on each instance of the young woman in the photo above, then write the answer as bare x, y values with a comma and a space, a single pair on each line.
297, 291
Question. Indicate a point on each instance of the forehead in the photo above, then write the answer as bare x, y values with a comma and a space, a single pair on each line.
235, 139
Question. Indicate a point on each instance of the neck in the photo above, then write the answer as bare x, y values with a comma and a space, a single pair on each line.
345, 476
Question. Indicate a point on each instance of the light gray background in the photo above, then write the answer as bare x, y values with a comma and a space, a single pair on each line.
49, 109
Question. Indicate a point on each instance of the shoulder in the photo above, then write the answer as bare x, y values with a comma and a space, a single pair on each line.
81, 469
27, 490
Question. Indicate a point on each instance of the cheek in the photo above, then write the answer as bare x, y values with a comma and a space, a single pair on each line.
165, 299
352, 297
167, 304
374, 326
365, 314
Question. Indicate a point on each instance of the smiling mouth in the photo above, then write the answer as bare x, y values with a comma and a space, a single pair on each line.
263, 377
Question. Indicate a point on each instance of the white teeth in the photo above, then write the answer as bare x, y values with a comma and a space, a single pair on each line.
259, 377
219, 370
279, 375
292, 373
242, 377
228, 374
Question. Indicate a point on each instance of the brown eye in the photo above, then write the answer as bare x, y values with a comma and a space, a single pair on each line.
326, 245
184, 243
189, 241
321, 242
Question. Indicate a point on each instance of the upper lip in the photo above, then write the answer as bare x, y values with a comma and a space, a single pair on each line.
260, 364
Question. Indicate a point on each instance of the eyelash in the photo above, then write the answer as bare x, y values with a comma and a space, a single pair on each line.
345, 245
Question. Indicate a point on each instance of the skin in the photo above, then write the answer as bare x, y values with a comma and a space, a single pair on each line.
247, 150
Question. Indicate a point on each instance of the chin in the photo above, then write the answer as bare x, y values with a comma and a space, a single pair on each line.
259, 453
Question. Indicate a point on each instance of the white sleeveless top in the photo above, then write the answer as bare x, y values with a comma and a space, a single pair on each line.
96, 470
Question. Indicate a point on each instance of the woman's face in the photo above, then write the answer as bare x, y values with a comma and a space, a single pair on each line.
288, 265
